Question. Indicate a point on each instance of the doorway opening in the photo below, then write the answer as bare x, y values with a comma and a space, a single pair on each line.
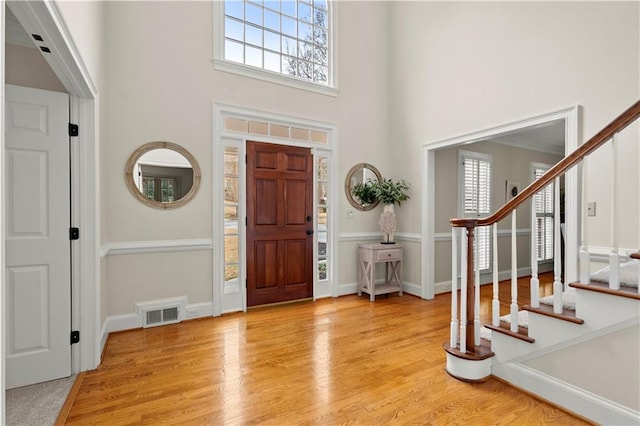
564, 120
44, 19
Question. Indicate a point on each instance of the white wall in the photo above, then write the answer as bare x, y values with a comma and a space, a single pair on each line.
85, 21
161, 85
459, 67
438, 70
25, 66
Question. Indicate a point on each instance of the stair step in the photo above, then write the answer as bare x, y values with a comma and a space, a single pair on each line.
568, 301
600, 287
566, 315
505, 328
475, 353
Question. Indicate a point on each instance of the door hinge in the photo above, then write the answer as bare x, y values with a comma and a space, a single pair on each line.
74, 233
75, 337
73, 129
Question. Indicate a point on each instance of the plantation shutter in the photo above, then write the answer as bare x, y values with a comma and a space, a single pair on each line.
477, 201
543, 202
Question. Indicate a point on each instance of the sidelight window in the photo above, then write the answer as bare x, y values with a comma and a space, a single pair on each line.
322, 182
231, 229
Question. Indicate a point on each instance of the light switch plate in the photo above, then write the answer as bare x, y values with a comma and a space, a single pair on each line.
591, 208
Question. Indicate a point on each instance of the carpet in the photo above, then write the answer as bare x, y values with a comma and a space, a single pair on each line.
37, 405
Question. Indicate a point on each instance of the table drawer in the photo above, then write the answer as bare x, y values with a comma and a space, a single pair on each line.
390, 254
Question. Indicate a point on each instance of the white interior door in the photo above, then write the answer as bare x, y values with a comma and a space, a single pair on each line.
37, 209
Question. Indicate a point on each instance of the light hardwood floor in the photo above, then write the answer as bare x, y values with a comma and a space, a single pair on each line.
334, 361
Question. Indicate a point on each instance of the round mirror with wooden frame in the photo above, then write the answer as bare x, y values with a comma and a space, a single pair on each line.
162, 175
361, 173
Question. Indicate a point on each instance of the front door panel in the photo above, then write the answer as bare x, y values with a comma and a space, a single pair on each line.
279, 223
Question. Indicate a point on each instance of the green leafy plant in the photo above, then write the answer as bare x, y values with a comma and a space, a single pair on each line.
364, 192
390, 192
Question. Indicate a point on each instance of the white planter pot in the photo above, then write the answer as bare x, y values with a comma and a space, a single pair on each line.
388, 223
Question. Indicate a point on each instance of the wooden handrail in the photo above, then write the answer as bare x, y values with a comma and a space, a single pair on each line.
617, 125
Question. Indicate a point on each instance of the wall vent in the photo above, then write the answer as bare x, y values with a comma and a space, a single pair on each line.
161, 312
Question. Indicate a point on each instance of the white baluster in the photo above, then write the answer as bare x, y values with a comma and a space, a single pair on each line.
463, 291
514, 275
585, 277
534, 283
495, 304
476, 284
557, 260
454, 288
614, 257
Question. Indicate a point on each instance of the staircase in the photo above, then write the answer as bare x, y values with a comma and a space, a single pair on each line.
580, 347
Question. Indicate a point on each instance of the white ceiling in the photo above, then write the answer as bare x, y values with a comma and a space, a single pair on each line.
547, 137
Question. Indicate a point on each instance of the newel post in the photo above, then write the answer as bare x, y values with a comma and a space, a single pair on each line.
471, 288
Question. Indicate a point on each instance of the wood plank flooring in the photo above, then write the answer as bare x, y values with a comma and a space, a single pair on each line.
334, 361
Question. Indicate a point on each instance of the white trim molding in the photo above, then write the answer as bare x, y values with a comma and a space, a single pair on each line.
570, 115
573, 398
502, 233
372, 236
220, 64
602, 254
157, 246
487, 277
222, 138
133, 320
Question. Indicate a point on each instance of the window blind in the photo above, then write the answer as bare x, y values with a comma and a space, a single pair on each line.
477, 202
543, 203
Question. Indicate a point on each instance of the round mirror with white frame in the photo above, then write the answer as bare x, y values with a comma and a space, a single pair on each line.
162, 175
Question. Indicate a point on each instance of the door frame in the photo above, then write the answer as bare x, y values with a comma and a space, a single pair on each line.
223, 303
571, 116
44, 18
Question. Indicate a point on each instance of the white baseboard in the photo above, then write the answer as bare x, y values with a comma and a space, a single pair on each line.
199, 310
352, 288
601, 254
123, 322
130, 321
445, 286
565, 395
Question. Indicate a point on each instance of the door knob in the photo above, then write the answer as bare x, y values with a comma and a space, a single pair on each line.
309, 231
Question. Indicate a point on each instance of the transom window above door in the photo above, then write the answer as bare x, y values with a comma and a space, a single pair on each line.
286, 39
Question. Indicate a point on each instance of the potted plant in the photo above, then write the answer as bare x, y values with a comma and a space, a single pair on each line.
388, 193
364, 192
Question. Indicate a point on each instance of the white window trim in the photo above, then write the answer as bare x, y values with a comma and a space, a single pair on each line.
223, 303
471, 154
462, 154
220, 64
534, 167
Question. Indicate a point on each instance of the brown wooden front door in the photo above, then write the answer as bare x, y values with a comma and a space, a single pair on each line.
279, 223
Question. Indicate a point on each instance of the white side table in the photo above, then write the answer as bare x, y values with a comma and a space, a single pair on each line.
371, 254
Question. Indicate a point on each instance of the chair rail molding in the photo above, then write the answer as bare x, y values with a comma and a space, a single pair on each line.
157, 246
